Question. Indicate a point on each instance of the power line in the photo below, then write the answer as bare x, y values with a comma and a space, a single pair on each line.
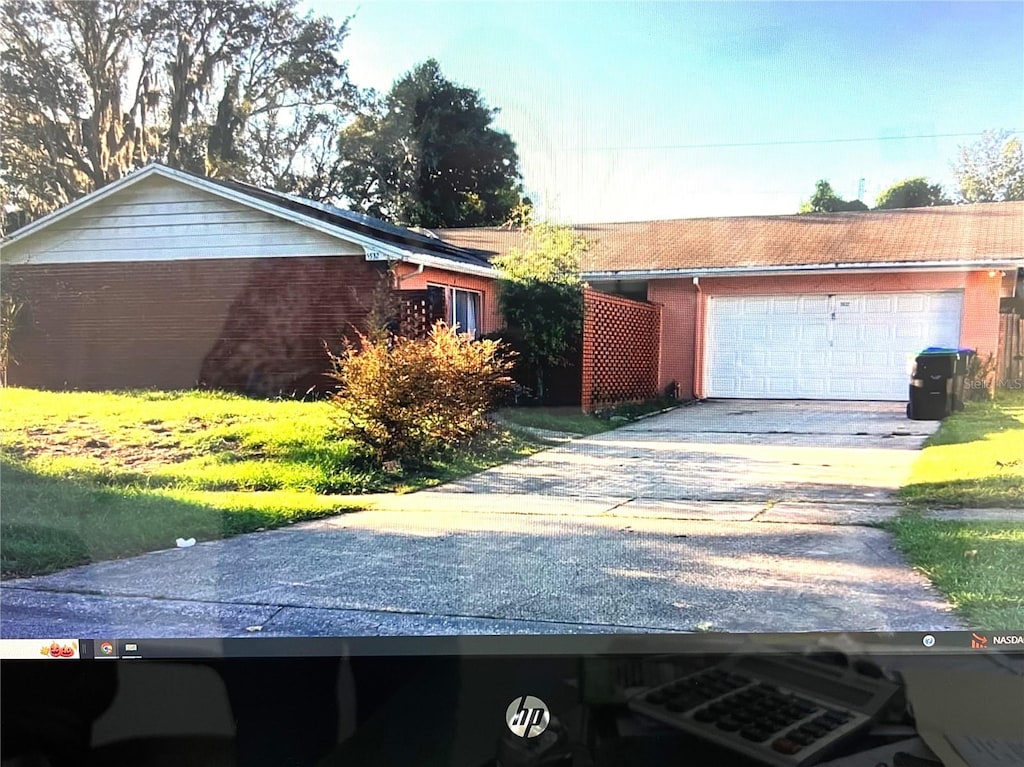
794, 142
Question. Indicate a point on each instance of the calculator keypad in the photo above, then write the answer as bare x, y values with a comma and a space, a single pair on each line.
757, 712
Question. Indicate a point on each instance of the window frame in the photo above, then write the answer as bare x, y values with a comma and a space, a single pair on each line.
450, 293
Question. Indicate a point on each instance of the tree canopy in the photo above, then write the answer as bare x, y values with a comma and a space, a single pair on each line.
428, 155
991, 169
94, 90
825, 200
912, 193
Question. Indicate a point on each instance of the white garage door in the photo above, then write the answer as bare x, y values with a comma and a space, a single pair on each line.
823, 347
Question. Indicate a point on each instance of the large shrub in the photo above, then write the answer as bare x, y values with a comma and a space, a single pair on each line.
405, 399
541, 298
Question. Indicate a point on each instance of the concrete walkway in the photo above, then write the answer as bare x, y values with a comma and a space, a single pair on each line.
726, 516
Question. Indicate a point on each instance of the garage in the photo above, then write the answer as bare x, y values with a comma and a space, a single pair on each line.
813, 346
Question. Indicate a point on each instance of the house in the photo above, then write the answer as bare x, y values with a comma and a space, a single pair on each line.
170, 280
828, 306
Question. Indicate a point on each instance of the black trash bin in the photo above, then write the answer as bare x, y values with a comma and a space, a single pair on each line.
937, 383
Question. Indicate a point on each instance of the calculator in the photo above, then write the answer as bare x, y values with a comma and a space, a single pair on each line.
778, 711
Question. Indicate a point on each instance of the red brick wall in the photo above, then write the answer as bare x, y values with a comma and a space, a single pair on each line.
243, 324
620, 350
679, 305
979, 323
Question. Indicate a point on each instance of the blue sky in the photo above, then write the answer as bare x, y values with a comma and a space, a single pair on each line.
624, 111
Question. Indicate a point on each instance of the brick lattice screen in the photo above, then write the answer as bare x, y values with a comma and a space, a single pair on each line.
620, 350
419, 310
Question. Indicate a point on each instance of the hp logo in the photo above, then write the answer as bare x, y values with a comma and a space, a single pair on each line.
527, 716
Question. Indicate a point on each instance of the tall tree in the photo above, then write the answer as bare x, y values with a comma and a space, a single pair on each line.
242, 88
261, 86
72, 114
825, 200
991, 169
912, 193
427, 155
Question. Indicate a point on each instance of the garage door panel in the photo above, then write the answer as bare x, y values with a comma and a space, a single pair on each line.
814, 332
911, 302
876, 333
909, 330
881, 305
814, 304
812, 388
847, 359
786, 306
787, 359
756, 306
788, 333
850, 346
944, 302
755, 332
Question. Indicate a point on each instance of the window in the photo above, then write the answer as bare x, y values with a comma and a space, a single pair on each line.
463, 310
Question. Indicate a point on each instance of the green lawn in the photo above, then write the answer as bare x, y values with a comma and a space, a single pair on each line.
975, 459
572, 421
90, 476
978, 565
564, 419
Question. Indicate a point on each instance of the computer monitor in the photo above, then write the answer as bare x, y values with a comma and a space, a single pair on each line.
611, 372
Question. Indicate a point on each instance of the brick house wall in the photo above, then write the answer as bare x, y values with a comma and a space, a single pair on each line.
254, 325
680, 328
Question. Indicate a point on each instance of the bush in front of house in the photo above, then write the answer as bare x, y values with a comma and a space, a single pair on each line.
407, 399
980, 379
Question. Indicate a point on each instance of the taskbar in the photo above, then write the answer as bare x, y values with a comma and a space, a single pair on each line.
868, 643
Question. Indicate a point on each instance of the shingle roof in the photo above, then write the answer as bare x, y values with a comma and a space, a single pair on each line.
358, 222
978, 233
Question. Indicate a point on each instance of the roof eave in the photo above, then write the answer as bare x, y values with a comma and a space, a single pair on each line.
427, 260
997, 262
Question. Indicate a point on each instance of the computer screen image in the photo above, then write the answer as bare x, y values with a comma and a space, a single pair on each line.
428, 330
512, 384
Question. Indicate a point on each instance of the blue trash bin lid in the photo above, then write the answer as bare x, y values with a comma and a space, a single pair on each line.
944, 350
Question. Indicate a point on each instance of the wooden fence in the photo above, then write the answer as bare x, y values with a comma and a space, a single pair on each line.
419, 310
1010, 358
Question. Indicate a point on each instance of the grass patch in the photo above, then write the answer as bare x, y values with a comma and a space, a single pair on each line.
565, 419
91, 476
482, 453
634, 410
50, 523
976, 458
978, 565
572, 421
185, 440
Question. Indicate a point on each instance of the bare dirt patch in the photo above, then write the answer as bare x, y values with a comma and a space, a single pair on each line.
70, 442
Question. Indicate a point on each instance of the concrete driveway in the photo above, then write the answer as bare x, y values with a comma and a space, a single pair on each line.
726, 516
